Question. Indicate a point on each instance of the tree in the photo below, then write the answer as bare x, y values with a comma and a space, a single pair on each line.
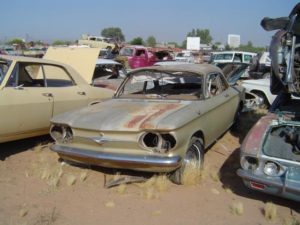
151, 41
137, 41
60, 42
114, 33
250, 48
227, 47
204, 35
16, 41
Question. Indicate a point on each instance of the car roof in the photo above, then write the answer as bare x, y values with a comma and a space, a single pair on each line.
226, 52
200, 69
107, 62
30, 59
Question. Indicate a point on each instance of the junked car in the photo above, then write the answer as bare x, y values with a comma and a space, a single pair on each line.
270, 153
33, 90
237, 74
105, 73
161, 119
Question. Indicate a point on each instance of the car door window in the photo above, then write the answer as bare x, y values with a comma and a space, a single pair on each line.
215, 85
57, 76
27, 75
247, 58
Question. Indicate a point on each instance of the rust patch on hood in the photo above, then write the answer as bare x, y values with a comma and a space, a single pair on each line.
135, 120
146, 117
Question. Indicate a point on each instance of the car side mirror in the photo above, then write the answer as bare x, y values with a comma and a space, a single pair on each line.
270, 24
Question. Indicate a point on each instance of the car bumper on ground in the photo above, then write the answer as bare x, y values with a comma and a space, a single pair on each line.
280, 186
147, 163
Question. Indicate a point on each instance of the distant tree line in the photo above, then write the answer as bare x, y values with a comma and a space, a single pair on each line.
116, 34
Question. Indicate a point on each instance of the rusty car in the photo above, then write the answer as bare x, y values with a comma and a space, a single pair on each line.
161, 119
33, 90
270, 153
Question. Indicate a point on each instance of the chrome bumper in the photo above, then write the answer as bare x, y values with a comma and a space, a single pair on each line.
275, 185
146, 163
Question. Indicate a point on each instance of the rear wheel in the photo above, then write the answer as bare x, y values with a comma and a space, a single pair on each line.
263, 99
194, 156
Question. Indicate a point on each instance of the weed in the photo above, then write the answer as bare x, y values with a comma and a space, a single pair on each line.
71, 180
110, 204
270, 211
191, 174
237, 208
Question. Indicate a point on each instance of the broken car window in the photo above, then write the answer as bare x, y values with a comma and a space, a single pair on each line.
153, 84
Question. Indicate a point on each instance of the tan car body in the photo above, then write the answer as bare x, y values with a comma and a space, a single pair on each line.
25, 111
109, 133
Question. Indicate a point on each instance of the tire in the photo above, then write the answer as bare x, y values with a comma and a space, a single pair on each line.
195, 151
264, 101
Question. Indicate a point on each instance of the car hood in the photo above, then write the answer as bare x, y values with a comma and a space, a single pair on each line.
264, 82
129, 115
83, 60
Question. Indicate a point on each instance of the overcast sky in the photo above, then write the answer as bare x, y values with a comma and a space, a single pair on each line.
166, 20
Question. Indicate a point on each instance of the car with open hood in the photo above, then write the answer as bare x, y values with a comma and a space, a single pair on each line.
33, 90
99, 72
270, 153
161, 119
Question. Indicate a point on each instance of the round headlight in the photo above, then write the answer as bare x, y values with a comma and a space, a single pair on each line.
271, 169
158, 142
61, 134
249, 163
57, 133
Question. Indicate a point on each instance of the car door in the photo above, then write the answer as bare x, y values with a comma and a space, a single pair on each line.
25, 106
221, 101
66, 93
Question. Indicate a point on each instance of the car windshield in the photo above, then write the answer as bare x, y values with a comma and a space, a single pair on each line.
227, 56
160, 84
4, 65
126, 51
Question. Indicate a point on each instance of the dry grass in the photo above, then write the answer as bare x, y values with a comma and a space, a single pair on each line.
71, 179
291, 221
23, 212
83, 176
237, 208
52, 174
122, 189
228, 190
110, 204
270, 211
215, 176
47, 218
191, 174
215, 191
152, 187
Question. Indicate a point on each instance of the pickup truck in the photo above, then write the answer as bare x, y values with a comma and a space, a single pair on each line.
136, 56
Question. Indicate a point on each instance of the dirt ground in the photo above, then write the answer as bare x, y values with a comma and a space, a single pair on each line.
37, 189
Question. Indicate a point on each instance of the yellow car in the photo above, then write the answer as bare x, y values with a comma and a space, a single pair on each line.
33, 90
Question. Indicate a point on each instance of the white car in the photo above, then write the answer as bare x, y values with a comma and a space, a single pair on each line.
232, 56
185, 57
261, 88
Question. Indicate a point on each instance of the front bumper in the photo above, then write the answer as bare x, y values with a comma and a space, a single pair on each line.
280, 186
147, 163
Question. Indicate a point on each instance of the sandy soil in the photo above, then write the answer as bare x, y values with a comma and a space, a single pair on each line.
37, 189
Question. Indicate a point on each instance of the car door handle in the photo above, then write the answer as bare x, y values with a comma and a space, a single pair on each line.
48, 94
226, 95
81, 93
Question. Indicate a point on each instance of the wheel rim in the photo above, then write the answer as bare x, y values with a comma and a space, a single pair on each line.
193, 155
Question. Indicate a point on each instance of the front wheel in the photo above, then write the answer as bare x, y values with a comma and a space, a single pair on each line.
194, 158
